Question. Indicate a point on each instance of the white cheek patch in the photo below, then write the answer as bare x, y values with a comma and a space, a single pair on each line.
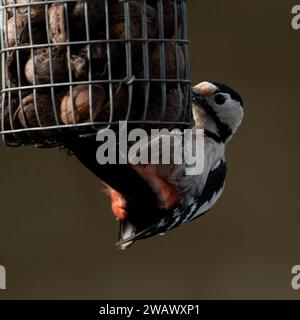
231, 114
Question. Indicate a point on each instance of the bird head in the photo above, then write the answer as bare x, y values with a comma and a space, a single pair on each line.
223, 108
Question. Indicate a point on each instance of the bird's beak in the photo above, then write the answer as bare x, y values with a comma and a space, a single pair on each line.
199, 99
196, 95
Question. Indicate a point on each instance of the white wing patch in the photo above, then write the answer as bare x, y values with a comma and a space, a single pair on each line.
209, 204
216, 166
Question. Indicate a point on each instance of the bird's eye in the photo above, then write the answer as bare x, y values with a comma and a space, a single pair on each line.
220, 99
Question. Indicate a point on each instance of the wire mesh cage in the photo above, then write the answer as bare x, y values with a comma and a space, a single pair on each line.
74, 67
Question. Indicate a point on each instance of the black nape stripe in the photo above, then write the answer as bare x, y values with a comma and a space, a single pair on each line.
223, 88
224, 132
212, 135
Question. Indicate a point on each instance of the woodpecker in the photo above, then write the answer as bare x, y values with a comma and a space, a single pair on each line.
154, 199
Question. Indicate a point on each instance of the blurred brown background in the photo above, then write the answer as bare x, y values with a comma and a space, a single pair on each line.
56, 231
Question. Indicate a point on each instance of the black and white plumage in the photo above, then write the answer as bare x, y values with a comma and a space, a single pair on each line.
187, 210
159, 198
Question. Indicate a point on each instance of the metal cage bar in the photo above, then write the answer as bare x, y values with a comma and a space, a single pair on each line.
76, 66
